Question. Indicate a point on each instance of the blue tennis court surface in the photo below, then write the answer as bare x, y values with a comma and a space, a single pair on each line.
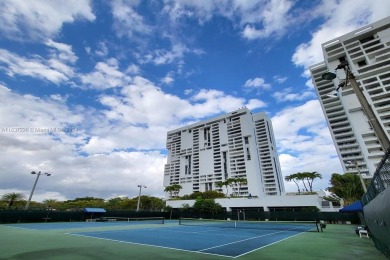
229, 242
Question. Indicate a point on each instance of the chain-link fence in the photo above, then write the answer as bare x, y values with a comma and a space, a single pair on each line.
380, 181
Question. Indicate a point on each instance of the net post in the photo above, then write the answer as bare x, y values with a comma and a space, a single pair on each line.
319, 226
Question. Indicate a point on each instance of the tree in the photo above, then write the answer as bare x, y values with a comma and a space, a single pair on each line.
12, 198
85, 202
305, 178
50, 203
241, 181
206, 206
219, 184
176, 189
226, 183
116, 203
346, 186
310, 176
293, 177
301, 176
173, 190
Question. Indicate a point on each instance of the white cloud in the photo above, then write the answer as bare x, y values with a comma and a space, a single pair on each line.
168, 79
143, 109
40, 19
280, 79
57, 152
257, 83
274, 21
286, 95
163, 56
258, 19
133, 69
127, 22
106, 75
102, 49
53, 71
63, 51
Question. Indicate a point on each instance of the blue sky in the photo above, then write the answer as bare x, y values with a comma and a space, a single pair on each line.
89, 89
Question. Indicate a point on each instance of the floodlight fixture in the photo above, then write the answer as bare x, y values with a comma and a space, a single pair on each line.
33, 188
140, 186
329, 76
372, 118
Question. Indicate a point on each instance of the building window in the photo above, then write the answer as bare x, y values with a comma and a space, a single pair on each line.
246, 140
224, 157
248, 154
207, 136
367, 39
362, 63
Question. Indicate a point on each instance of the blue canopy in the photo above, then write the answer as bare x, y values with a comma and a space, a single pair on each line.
94, 210
354, 207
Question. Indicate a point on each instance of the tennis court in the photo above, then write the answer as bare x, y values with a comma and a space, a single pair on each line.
224, 238
191, 239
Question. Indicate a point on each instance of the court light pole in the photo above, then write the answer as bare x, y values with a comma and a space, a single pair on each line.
372, 119
139, 195
33, 188
360, 175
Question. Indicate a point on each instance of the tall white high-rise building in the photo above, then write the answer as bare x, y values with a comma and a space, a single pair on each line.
234, 145
367, 53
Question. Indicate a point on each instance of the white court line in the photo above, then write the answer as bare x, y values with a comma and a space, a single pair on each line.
164, 247
239, 241
269, 244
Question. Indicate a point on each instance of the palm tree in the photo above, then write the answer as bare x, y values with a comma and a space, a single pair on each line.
219, 184
173, 189
176, 189
12, 198
293, 177
170, 190
240, 181
227, 183
301, 176
310, 176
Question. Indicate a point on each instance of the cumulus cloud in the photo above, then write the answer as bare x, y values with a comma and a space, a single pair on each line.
41, 19
127, 22
51, 70
257, 83
106, 75
287, 95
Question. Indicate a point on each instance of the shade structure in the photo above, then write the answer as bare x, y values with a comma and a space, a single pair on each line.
354, 207
94, 210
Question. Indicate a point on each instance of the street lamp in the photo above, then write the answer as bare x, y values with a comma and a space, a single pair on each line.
372, 119
139, 195
360, 175
35, 184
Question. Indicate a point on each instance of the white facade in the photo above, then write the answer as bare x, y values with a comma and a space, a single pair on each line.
233, 145
367, 52
267, 203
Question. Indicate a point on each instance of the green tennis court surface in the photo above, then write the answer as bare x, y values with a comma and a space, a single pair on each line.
124, 240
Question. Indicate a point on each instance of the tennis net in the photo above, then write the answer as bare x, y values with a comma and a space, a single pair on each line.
301, 226
143, 220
